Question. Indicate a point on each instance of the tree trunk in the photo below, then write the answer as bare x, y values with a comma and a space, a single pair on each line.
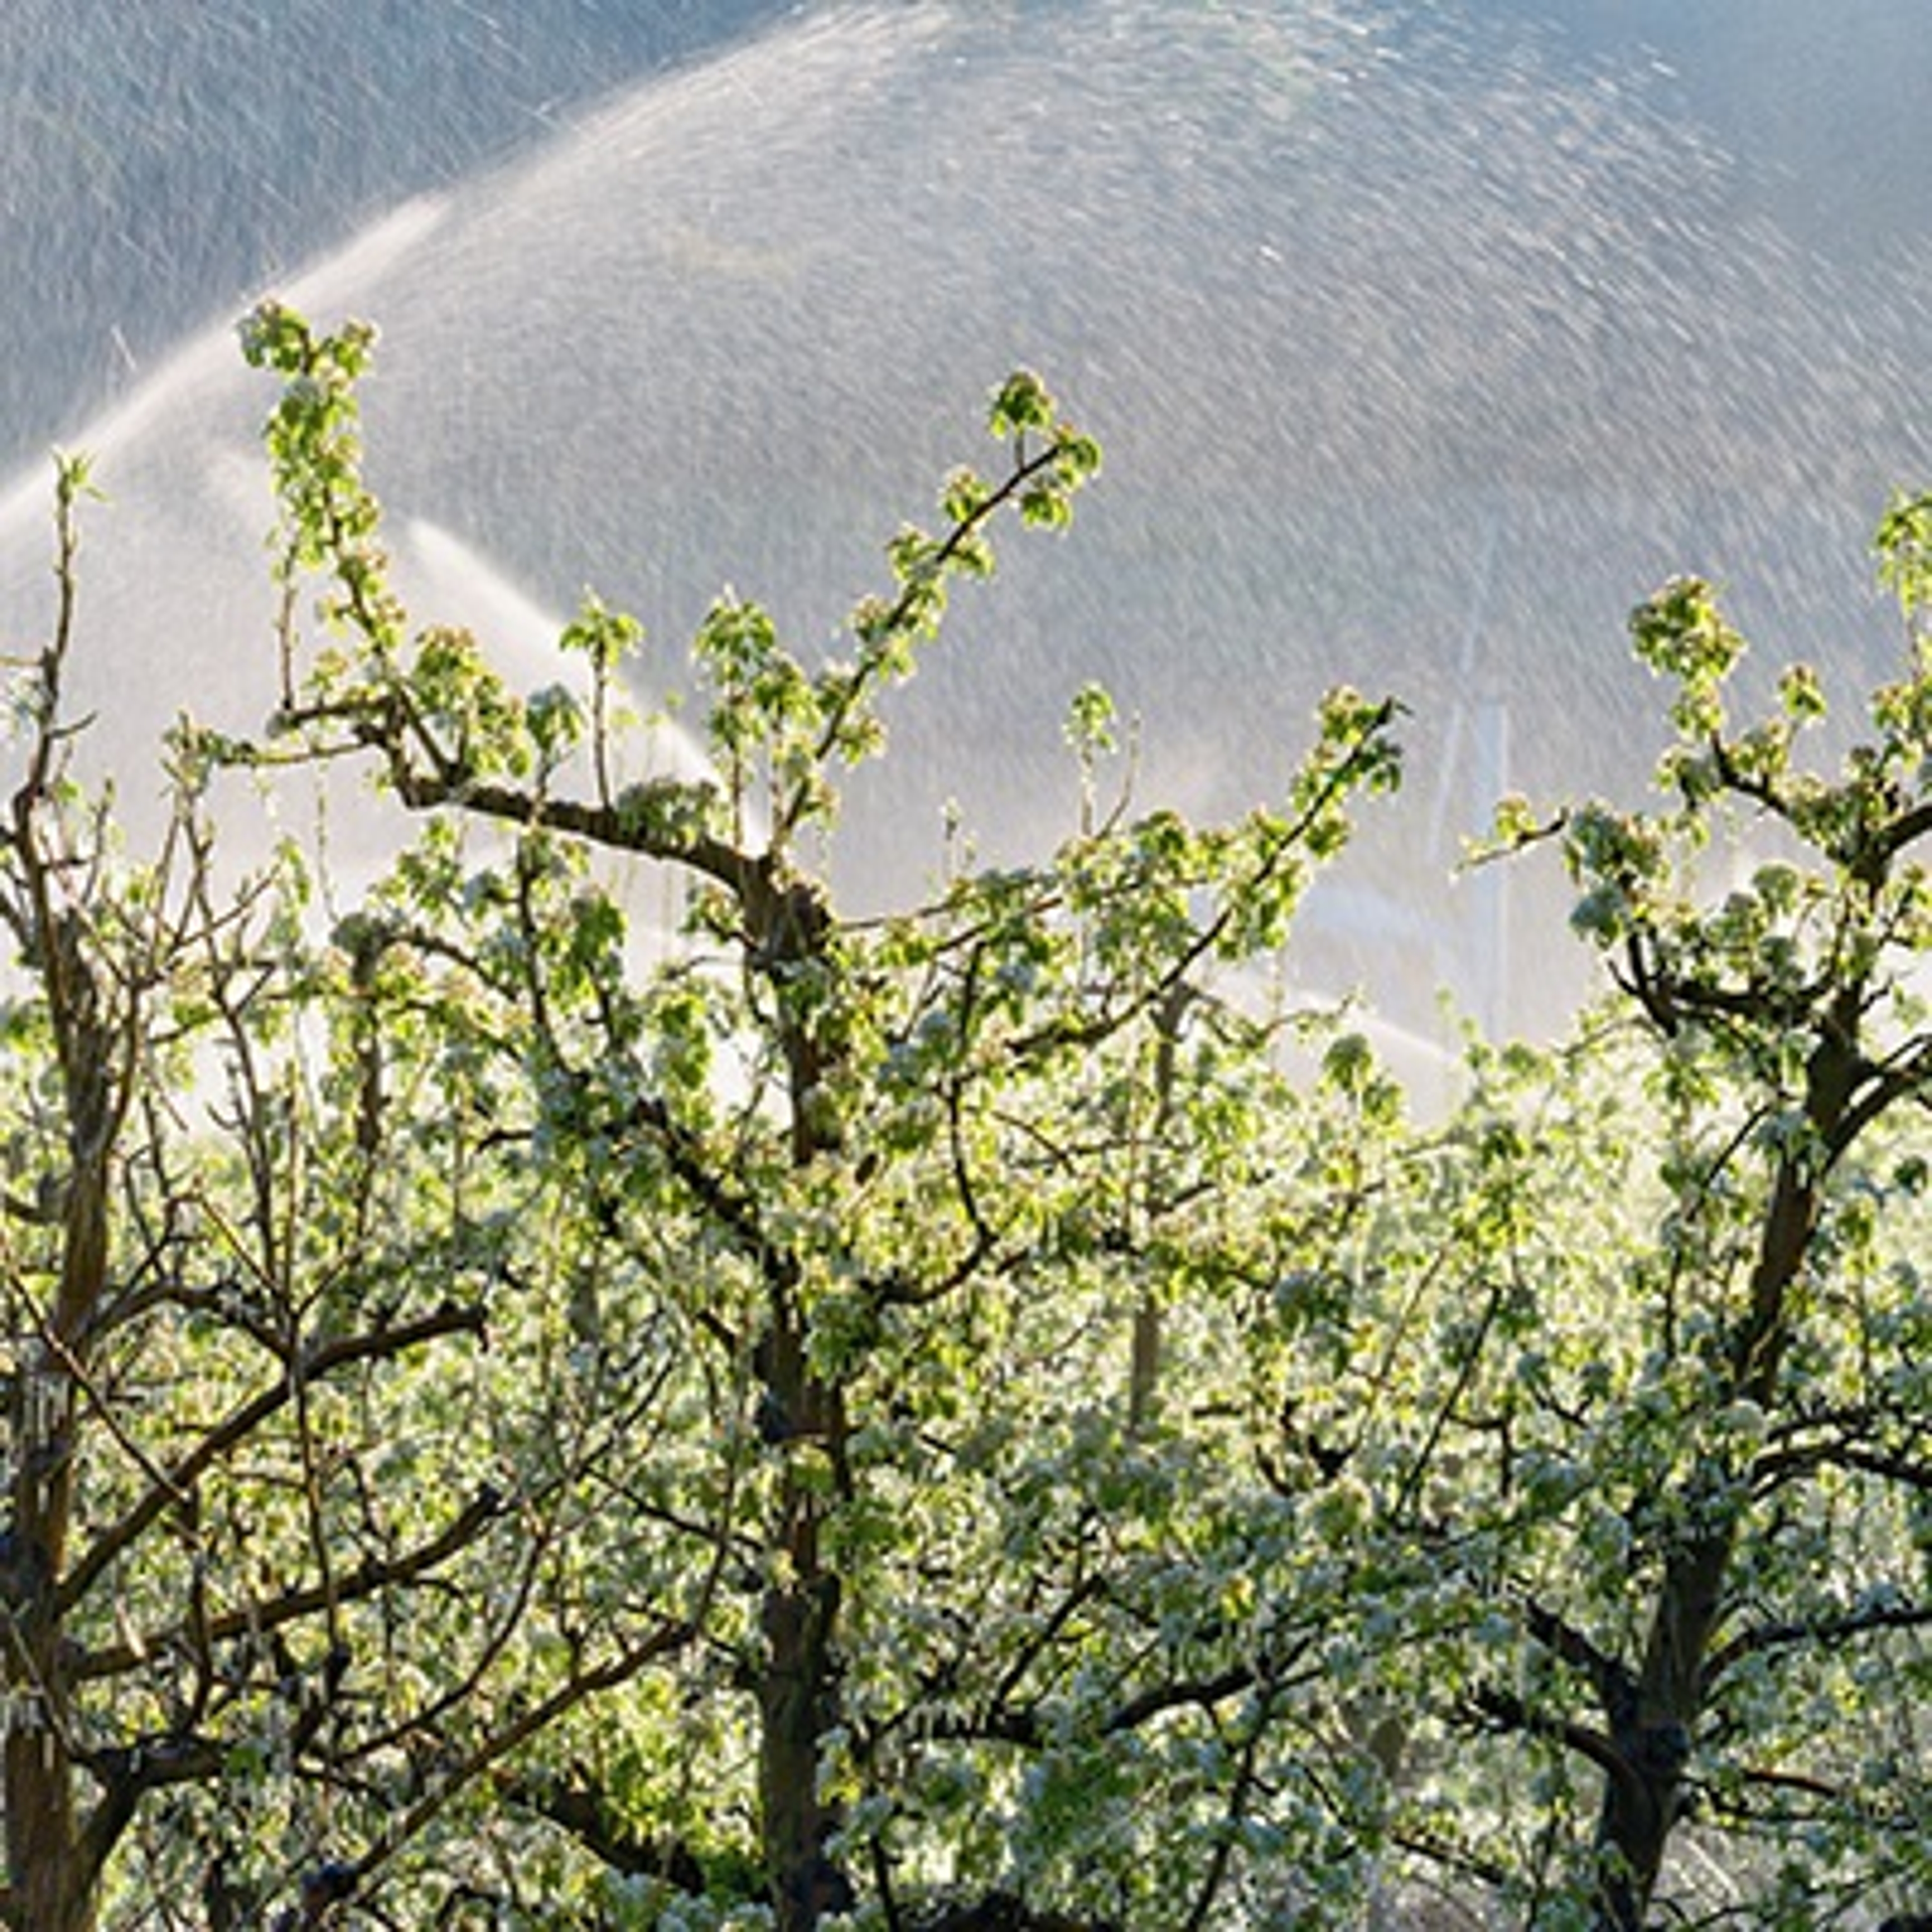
52, 1878
797, 1703
51, 1890
1653, 1725
51, 1884
798, 1690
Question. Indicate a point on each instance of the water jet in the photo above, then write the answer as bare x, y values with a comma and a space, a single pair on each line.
1418, 354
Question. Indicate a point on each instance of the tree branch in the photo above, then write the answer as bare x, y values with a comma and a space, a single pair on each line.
576, 1806
1609, 1678
1825, 1631
237, 1427
1066, 1033
894, 621
1504, 1708
662, 1641
368, 1578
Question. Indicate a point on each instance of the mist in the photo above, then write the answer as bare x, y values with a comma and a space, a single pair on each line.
1422, 340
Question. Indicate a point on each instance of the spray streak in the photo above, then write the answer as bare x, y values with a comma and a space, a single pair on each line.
1356, 300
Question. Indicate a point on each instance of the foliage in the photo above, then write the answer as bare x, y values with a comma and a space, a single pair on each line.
926, 1188
302, 1535
982, 1417
1738, 1450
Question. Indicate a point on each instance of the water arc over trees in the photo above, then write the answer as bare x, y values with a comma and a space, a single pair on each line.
1419, 348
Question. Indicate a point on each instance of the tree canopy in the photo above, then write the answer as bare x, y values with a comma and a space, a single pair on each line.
992, 1415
